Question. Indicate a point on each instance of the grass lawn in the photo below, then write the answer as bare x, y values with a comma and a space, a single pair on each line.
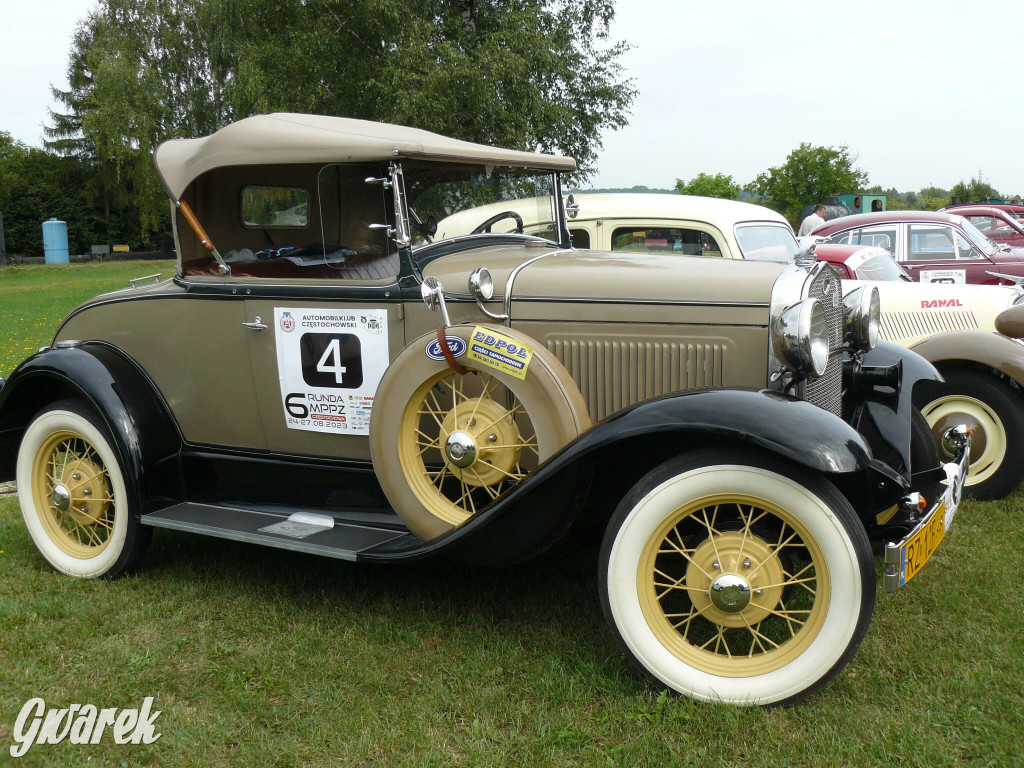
262, 657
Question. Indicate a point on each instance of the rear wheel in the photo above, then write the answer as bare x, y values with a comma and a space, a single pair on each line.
730, 577
993, 412
73, 496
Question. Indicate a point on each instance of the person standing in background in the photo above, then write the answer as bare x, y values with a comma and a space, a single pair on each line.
812, 222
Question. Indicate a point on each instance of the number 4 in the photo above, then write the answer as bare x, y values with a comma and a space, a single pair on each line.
330, 361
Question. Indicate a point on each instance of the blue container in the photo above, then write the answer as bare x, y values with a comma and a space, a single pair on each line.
55, 241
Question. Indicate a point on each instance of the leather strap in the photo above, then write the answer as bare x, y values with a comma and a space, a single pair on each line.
443, 341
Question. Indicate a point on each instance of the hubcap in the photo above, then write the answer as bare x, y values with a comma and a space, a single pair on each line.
61, 498
988, 437
730, 593
460, 450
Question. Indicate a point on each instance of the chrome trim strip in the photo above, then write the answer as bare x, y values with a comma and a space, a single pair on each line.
666, 302
510, 282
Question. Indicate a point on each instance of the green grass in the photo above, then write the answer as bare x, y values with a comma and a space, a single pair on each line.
262, 657
35, 299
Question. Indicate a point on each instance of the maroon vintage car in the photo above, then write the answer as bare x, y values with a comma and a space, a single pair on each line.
934, 247
999, 223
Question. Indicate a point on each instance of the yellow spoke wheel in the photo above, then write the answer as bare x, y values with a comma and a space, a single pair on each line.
712, 580
446, 445
73, 495
736, 577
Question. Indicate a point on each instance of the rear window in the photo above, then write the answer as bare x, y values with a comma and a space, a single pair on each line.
275, 207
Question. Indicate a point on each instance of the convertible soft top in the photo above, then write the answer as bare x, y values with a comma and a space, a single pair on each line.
283, 138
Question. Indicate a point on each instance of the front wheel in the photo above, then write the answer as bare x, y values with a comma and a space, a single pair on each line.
995, 415
731, 577
73, 495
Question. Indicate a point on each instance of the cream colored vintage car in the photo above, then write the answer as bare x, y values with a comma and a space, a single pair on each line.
327, 373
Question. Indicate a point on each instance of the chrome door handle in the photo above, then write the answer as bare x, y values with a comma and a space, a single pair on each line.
256, 325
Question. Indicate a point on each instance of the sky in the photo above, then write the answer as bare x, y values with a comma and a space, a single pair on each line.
923, 92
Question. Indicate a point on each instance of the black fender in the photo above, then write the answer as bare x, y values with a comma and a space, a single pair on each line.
525, 521
882, 413
145, 436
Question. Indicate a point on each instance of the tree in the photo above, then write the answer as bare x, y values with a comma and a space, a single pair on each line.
530, 75
974, 190
809, 175
708, 185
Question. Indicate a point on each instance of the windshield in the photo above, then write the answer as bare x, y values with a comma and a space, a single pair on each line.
979, 239
882, 267
766, 242
473, 199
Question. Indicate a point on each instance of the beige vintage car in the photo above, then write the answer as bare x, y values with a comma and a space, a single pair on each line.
327, 374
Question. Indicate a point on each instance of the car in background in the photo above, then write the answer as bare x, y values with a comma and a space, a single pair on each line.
1014, 210
860, 262
934, 247
685, 225
998, 225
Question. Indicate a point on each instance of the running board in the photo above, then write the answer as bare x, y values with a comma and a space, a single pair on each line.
316, 534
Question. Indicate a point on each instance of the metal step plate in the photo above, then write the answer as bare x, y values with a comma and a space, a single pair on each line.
300, 531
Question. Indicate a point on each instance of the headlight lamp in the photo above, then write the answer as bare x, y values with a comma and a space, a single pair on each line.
801, 337
862, 313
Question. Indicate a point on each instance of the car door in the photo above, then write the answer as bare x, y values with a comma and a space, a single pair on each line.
939, 253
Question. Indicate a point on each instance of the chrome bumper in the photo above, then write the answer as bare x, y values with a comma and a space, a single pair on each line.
898, 566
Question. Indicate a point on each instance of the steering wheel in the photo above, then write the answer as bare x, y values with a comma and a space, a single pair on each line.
486, 226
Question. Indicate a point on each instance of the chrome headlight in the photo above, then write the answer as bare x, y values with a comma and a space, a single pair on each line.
800, 337
862, 313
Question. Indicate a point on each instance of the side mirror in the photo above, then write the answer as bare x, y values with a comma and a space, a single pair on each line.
572, 206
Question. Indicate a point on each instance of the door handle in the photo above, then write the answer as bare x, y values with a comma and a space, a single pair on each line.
256, 325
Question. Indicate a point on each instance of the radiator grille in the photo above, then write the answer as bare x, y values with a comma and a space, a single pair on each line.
826, 391
903, 327
615, 374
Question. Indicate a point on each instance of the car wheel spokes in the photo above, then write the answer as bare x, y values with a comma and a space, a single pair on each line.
474, 441
730, 583
73, 492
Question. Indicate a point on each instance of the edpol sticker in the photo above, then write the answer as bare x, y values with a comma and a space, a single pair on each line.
456, 346
500, 352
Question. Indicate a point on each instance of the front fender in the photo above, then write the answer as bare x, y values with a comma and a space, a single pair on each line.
882, 414
117, 391
992, 350
524, 522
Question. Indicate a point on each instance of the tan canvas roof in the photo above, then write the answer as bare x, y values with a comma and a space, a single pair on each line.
292, 138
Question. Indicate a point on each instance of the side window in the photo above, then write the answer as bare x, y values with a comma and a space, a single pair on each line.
685, 242
579, 238
929, 242
883, 237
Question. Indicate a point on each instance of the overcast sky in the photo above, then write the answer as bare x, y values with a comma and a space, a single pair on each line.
924, 92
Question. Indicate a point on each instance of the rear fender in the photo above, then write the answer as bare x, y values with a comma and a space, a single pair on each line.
145, 436
992, 350
536, 512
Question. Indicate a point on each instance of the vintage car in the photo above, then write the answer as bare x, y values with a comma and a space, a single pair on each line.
1014, 210
324, 374
998, 225
957, 328
934, 247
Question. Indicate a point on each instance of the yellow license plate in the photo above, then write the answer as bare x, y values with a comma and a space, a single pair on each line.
916, 552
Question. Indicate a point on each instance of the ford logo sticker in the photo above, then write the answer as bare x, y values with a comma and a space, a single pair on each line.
455, 344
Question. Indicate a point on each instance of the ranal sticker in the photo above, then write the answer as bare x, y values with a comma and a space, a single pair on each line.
500, 352
330, 362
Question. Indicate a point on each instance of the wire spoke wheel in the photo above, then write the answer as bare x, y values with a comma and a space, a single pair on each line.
73, 495
464, 441
733, 585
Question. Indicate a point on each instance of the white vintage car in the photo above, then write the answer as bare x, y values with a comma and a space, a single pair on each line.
951, 325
